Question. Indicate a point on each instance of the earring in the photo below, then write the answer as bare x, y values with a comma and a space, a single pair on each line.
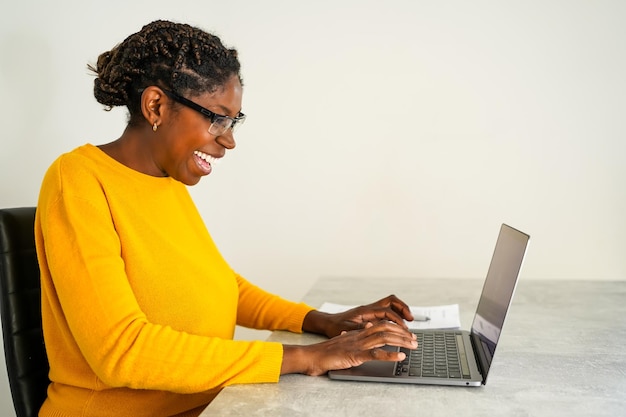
155, 127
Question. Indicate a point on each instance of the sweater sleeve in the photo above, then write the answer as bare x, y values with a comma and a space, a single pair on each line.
98, 324
258, 309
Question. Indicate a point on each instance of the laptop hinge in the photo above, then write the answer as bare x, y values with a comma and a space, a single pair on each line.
481, 356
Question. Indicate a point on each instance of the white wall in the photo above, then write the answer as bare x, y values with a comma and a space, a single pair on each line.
383, 139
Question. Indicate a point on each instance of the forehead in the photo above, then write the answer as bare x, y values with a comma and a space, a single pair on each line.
227, 98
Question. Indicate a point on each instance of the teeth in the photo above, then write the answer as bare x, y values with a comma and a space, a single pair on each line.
210, 159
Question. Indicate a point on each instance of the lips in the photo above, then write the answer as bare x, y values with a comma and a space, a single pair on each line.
205, 161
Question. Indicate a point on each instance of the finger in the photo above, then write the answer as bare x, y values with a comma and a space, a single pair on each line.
384, 314
378, 354
400, 307
356, 327
394, 303
386, 334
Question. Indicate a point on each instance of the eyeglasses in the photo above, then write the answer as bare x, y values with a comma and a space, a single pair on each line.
219, 123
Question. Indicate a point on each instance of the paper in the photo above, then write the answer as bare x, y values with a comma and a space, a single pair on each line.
441, 317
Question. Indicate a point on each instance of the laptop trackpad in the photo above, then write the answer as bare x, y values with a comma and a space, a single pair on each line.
373, 368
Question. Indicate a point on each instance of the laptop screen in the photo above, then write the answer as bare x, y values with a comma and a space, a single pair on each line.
499, 287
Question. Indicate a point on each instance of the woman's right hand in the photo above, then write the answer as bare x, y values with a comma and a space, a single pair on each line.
348, 349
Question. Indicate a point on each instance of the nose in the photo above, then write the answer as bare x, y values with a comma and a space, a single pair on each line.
226, 139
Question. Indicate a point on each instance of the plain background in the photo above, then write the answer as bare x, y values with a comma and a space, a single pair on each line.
384, 139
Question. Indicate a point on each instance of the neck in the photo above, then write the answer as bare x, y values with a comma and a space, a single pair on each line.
134, 150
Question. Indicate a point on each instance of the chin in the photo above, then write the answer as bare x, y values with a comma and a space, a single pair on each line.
191, 182
188, 180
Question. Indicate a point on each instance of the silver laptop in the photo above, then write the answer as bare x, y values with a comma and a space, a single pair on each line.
457, 357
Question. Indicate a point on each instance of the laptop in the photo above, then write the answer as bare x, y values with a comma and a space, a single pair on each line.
457, 357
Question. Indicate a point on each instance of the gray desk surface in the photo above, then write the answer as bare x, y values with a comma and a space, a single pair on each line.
562, 353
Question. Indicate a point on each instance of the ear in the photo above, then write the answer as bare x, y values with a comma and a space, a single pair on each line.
152, 100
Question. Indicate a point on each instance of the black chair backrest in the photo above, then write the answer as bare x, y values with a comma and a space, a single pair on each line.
20, 308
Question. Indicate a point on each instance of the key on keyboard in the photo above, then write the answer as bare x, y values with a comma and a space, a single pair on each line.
436, 356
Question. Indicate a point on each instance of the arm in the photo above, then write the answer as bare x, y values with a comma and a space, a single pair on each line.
259, 309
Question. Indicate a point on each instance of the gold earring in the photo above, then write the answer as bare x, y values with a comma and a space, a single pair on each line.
155, 127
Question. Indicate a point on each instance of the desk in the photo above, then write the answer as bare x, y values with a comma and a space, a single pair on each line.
562, 353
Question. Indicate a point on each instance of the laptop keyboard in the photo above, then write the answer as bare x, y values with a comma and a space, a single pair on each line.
437, 356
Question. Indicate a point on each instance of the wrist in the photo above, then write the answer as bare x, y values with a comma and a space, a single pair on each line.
316, 322
294, 360
302, 359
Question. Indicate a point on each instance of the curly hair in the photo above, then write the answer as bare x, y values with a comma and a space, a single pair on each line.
171, 55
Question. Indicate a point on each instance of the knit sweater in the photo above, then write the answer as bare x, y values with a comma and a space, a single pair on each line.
139, 307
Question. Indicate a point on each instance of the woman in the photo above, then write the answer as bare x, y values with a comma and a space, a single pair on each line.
139, 308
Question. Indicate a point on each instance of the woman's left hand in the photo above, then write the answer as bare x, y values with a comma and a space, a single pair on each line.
390, 308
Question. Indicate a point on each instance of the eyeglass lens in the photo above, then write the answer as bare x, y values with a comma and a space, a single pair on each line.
220, 125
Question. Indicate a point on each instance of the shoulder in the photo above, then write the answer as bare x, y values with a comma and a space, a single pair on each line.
80, 158
76, 171
85, 157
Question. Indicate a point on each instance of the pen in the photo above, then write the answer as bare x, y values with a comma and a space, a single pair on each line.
419, 317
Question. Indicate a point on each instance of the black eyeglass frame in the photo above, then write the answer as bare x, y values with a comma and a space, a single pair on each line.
212, 116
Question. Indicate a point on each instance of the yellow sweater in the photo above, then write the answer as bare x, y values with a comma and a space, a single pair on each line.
139, 307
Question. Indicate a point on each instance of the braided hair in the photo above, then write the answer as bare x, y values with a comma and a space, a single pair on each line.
170, 55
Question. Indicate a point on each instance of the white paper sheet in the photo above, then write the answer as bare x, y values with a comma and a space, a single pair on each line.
441, 317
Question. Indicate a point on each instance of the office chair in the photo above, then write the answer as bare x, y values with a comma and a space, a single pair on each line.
20, 310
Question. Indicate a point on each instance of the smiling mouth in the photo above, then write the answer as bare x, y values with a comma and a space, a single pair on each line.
205, 161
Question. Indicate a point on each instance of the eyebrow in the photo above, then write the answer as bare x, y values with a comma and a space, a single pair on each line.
226, 111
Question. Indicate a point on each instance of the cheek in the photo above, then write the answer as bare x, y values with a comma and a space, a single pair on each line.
187, 134
187, 138
193, 131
